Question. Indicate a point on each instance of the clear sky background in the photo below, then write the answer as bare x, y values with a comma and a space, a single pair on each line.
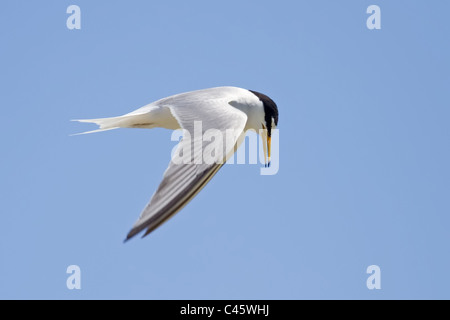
364, 173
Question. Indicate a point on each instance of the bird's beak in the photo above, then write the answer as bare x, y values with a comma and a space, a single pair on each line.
269, 141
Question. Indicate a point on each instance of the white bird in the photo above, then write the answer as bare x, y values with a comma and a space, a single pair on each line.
223, 109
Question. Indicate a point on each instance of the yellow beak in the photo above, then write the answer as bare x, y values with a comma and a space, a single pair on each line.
269, 141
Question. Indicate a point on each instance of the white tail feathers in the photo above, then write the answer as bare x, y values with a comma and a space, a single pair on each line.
92, 131
125, 121
103, 123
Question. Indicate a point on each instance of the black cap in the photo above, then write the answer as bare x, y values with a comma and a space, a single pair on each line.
270, 110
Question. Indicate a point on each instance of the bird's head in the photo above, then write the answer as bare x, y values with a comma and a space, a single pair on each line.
269, 121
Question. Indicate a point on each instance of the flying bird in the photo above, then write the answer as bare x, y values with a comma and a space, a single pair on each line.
224, 109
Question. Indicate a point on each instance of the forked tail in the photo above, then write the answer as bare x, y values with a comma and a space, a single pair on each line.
125, 121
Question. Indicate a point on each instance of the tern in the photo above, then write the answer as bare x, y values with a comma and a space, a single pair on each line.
223, 109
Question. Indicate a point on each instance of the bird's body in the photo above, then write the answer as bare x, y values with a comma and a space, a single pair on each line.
224, 109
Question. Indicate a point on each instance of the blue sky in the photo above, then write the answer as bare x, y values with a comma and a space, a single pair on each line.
364, 150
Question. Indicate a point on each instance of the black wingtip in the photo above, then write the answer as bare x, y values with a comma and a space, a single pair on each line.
147, 233
134, 232
128, 238
130, 235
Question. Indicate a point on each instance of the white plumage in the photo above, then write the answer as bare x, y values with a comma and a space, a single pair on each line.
222, 108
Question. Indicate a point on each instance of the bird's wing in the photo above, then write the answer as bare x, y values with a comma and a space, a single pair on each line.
182, 181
